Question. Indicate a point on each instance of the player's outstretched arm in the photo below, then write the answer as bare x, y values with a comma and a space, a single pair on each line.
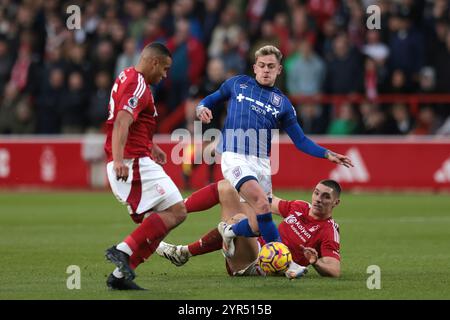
325, 266
274, 205
303, 143
338, 158
203, 110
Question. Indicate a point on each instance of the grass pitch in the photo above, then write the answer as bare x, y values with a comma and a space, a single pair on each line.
42, 234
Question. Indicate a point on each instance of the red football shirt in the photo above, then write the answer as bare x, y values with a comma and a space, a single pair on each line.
299, 228
131, 93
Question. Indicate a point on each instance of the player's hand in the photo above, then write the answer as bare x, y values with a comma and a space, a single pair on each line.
204, 114
158, 155
121, 170
310, 254
339, 159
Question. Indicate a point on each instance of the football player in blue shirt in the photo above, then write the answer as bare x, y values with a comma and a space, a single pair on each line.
255, 108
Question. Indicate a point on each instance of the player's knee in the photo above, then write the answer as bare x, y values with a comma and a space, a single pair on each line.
224, 187
236, 218
179, 212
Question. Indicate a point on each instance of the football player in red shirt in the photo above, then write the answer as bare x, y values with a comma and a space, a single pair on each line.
134, 165
308, 230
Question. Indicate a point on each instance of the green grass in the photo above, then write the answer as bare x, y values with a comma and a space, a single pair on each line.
41, 234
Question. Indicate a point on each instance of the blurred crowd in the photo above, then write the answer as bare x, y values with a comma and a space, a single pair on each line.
56, 80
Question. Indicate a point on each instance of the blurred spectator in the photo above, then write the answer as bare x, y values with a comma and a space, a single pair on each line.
135, 10
356, 25
371, 79
398, 83
428, 122
301, 26
129, 57
344, 69
19, 72
375, 121
211, 17
231, 58
97, 112
267, 37
306, 73
73, 110
281, 30
51, 97
442, 66
427, 80
6, 63
325, 45
346, 123
188, 56
322, 10
312, 118
16, 115
402, 118
374, 48
406, 48
152, 31
104, 58
228, 28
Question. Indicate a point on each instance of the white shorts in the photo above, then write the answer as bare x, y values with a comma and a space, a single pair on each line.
147, 188
239, 168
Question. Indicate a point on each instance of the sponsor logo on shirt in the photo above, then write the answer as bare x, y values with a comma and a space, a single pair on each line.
291, 219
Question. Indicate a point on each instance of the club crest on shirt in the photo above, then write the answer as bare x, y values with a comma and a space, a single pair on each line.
133, 101
237, 172
313, 228
291, 220
275, 100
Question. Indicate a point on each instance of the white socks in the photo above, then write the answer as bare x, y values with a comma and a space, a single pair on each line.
124, 248
117, 273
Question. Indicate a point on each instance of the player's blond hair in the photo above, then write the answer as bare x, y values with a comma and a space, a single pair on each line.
268, 50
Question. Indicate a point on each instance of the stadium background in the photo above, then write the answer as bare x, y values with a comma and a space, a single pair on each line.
380, 96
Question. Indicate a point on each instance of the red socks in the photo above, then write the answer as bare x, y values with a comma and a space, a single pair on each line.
144, 240
203, 199
143, 253
210, 242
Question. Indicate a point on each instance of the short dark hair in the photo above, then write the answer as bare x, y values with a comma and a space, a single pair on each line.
333, 185
159, 48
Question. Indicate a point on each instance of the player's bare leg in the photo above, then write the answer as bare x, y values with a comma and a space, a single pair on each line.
246, 249
211, 241
255, 196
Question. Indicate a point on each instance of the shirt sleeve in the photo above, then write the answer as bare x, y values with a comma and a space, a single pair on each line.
220, 95
330, 245
303, 143
288, 116
285, 207
132, 99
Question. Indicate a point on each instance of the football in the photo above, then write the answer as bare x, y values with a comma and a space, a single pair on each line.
274, 258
